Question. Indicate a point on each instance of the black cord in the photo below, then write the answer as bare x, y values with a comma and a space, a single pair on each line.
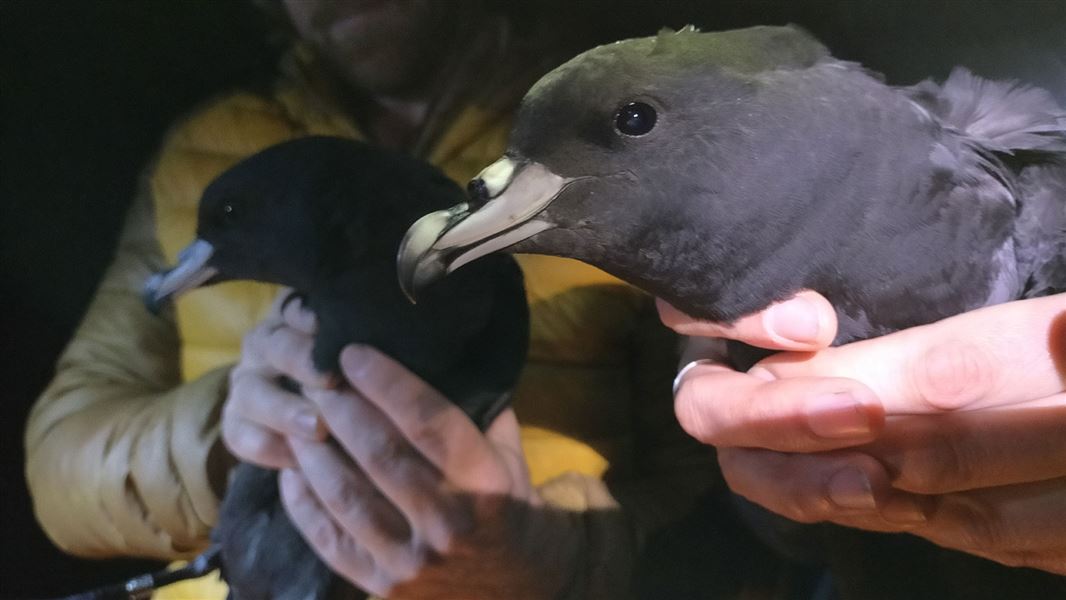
142, 586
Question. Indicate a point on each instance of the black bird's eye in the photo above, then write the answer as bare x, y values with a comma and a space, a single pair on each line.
229, 213
635, 119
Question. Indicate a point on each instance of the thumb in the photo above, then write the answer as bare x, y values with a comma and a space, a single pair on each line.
804, 322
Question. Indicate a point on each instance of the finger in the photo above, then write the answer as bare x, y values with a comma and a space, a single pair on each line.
721, 407
998, 356
253, 346
844, 487
437, 428
296, 314
1016, 519
355, 505
330, 543
258, 398
806, 321
933, 454
257, 445
288, 351
505, 434
394, 466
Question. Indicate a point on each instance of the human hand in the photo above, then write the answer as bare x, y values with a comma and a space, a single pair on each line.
973, 452
260, 412
414, 501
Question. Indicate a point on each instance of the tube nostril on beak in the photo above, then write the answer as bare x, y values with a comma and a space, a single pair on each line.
478, 192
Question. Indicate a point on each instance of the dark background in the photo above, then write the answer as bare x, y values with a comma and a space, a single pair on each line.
88, 88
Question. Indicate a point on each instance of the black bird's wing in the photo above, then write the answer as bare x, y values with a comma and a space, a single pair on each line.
273, 562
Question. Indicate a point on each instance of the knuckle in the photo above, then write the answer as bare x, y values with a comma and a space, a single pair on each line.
807, 508
253, 342
326, 540
953, 374
692, 409
784, 496
343, 497
284, 350
456, 528
336, 404
410, 563
390, 453
451, 526
252, 445
940, 466
763, 407
981, 527
429, 436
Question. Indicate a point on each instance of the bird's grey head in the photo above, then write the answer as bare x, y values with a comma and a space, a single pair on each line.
614, 153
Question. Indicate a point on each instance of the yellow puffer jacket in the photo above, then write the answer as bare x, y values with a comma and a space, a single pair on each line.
118, 445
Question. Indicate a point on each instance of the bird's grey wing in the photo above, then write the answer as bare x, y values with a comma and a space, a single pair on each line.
1018, 134
1040, 235
1005, 117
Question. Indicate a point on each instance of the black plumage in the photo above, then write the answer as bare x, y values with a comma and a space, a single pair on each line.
326, 216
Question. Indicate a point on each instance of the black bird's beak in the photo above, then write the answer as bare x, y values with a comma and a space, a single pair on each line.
191, 271
506, 199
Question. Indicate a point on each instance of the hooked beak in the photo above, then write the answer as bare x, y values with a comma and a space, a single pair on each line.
506, 202
191, 271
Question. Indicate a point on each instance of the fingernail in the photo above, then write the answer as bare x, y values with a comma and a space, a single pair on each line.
353, 361
838, 415
850, 488
795, 320
306, 422
762, 373
903, 510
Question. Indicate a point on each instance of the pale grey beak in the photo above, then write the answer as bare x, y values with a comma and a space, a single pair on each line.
191, 271
507, 198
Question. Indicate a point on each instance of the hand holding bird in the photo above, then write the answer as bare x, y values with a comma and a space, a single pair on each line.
413, 500
951, 431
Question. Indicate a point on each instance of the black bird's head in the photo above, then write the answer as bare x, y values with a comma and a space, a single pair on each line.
641, 154
300, 210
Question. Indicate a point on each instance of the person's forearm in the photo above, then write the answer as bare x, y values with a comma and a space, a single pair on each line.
117, 448
114, 471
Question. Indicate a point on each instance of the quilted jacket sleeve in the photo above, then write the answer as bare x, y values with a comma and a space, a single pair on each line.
116, 447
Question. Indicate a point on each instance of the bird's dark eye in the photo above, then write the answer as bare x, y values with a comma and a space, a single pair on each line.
229, 212
634, 119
